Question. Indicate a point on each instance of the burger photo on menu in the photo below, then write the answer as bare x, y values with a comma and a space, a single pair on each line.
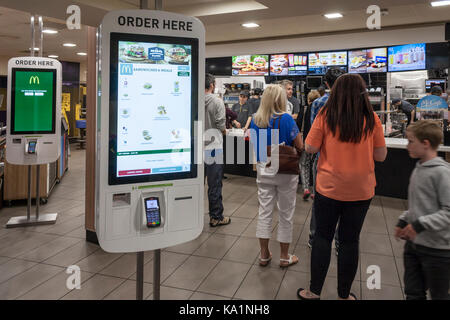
279, 65
240, 62
133, 53
177, 55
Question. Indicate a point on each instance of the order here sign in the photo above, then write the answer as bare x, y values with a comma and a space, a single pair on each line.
154, 23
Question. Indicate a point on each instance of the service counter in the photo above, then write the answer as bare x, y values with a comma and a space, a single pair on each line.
238, 163
392, 175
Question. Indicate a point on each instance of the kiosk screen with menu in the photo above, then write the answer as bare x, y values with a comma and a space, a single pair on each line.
292, 64
319, 62
256, 65
33, 101
367, 60
153, 106
407, 57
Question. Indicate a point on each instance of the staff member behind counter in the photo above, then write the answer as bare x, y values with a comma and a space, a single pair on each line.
406, 107
242, 109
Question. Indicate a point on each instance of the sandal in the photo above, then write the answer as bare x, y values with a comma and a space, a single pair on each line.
288, 262
265, 262
351, 295
309, 294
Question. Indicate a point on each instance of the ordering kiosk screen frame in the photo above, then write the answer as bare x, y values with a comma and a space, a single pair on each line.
143, 175
33, 80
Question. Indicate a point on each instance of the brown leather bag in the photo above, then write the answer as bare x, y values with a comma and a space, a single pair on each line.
289, 157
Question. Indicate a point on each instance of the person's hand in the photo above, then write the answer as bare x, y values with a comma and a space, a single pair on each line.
237, 124
408, 233
397, 233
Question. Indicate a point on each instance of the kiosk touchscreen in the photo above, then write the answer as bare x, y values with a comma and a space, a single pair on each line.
150, 188
34, 101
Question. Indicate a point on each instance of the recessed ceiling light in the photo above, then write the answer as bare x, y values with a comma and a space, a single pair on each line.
69, 45
250, 25
333, 15
35, 49
53, 56
440, 3
82, 53
50, 31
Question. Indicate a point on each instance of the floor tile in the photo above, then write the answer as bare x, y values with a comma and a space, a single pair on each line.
127, 291
98, 261
374, 224
292, 281
95, 288
191, 273
50, 249
230, 207
14, 267
73, 254
54, 288
261, 284
216, 246
124, 267
26, 245
375, 244
225, 278
235, 228
169, 263
385, 293
246, 211
401, 270
244, 250
168, 293
397, 246
4, 259
78, 233
206, 296
191, 246
24, 282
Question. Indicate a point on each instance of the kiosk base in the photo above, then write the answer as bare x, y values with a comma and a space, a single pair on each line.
15, 222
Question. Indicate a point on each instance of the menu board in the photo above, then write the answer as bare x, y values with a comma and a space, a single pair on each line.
407, 57
288, 64
33, 101
256, 65
319, 62
154, 91
367, 60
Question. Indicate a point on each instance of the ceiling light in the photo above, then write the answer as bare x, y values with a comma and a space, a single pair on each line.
82, 53
250, 25
53, 56
69, 45
35, 49
50, 31
440, 3
333, 15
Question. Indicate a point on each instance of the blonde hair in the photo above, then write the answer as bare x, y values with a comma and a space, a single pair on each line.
273, 102
313, 95
427, 130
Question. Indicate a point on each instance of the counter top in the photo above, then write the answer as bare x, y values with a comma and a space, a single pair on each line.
399, 143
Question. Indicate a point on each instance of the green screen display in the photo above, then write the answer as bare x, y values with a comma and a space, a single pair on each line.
33, 104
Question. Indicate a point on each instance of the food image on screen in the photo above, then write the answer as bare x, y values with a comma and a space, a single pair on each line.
357, 61
156, 84
255, 65
320, 62
279, 65
367, 60
407, 57
33, 101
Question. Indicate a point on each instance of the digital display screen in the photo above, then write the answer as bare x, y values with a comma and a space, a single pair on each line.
250, 65
152, 204
367, 60
430, 83
288, 64
33, 101
320, 62
154, 101
407, 57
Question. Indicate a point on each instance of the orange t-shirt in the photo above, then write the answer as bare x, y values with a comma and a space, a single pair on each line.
345, 171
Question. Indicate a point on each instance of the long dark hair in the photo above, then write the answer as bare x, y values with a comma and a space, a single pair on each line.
348, 109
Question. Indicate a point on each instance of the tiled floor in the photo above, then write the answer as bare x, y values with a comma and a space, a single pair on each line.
220, 264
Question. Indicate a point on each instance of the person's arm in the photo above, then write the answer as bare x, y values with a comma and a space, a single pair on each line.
247, 124
379, 144
298, 141
413, 115
220, 117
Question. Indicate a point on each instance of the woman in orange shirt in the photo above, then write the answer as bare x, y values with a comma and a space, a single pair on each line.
349, 137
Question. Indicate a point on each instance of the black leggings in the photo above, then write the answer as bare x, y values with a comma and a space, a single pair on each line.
350, 215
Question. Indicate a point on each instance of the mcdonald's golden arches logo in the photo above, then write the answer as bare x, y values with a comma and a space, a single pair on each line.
34, 79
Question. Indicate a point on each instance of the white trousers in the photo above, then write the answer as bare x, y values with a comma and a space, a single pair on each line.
280, 189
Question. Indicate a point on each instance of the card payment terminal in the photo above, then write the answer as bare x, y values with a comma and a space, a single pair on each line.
152, 212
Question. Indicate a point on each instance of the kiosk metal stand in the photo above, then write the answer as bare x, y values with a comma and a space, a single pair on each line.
49, 218
157, 253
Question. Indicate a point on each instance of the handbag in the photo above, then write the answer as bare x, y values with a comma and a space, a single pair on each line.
289, 157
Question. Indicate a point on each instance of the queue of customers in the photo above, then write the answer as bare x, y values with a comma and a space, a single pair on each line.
340, 143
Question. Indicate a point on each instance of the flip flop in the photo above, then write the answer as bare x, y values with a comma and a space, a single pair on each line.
303, 298
265, 262
353, 295
289, 261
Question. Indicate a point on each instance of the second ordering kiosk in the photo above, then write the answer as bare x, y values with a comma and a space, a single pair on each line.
150, 189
